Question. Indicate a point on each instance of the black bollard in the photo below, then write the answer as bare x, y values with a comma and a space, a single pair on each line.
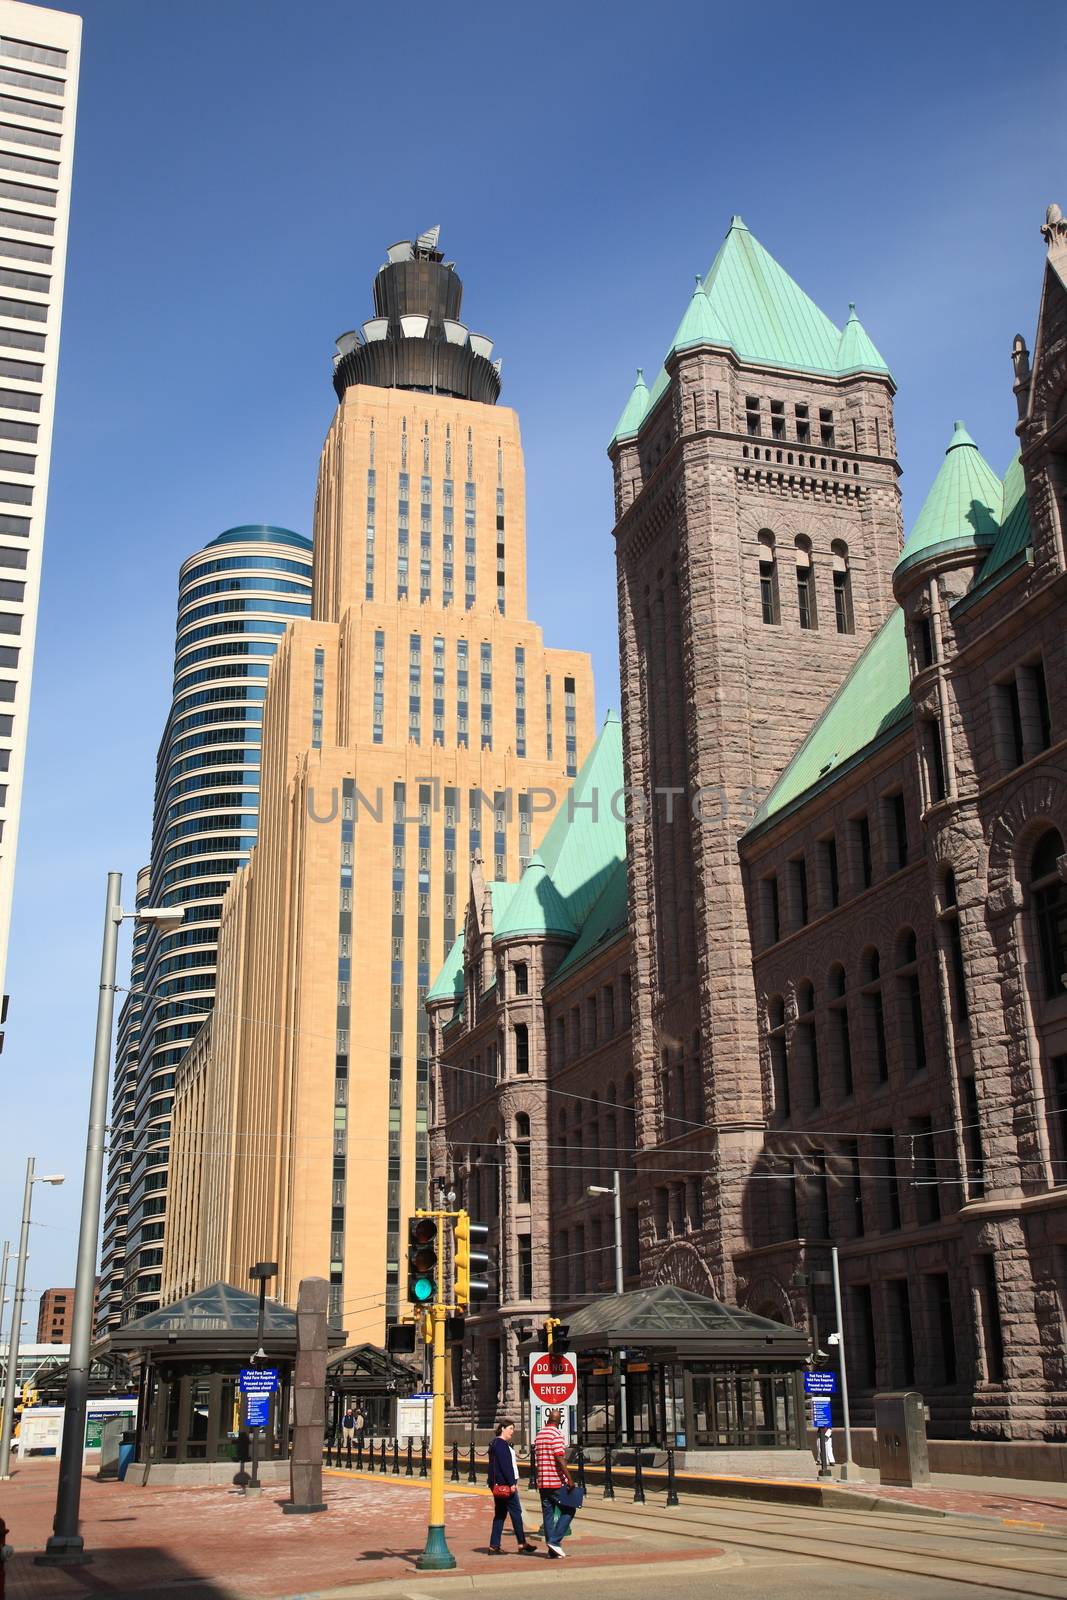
639, 1481
581, 1469
609, 1481
348, 1452
472, 1474
454, 1477
672, 1487
409, 1470
422, 1467
370, 1455
382, 1466
396, 1458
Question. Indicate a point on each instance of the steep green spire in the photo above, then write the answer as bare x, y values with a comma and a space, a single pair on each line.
856, 351
536, 908
633, 412
700, 325
963, 507
769, 317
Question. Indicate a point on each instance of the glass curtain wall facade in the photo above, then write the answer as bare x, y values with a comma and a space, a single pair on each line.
236, 597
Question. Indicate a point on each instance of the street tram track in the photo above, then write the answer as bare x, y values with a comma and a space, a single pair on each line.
879, 1550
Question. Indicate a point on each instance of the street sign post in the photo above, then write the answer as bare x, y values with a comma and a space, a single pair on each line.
554, 1382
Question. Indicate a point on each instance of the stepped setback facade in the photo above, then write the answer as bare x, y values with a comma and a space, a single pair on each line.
415, 723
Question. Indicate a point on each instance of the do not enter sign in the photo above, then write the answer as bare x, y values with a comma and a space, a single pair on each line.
554, 1379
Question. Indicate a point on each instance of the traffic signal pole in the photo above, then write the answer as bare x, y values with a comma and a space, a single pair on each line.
437, 1557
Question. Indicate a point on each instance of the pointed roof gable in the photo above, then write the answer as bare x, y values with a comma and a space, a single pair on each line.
963, 507
633, 412
586, 837
1015, 532
856, 351
771, 320
448, 985
536, 908
873, 700
700, 325
608, 919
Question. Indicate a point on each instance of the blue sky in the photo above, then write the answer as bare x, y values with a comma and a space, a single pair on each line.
241, 166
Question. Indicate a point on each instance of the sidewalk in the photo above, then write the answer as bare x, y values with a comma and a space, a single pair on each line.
169, 1544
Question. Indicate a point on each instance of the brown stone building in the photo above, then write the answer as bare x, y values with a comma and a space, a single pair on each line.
54, 1316
848, 935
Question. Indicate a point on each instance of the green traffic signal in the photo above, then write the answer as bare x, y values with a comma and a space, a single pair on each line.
423, 1261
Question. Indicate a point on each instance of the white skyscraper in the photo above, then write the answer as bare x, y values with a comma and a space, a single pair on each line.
39, 52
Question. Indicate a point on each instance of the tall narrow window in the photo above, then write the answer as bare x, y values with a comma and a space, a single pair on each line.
826, 427
522, 978
807, 1041
853, 1181
523, 1171
861, 832
924, 642
910, 999
1057, 1117
972, 1140
777, 419
1008, 723
805, 584
803, 424
840, 1024
768, 579
886, 1158
924, 1165
843, 613
772, 910
833, 877
525, 1284
522, 1048
752, 416
942, 1325
902, 1340
935, 760
992, 1331
779, 1059
950, 922
864, 1339
800, 886
1036, 714
897, 819
1049, 895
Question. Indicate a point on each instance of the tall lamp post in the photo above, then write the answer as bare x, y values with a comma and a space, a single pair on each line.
66, 1545
261, 1273
616, 1191
15, 1329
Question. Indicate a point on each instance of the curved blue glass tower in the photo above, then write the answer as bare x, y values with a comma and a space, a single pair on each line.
235, 599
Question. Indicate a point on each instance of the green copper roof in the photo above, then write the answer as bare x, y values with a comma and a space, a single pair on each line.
1015, 532
962, 509
873, 700
607, 920
586, 837
536, 907
749, 304
856, 352
634, 410
700, 325
448, 985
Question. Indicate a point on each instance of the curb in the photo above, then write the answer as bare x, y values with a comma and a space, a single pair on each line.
464, 1583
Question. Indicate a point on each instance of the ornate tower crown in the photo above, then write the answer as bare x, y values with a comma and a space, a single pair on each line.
415, 339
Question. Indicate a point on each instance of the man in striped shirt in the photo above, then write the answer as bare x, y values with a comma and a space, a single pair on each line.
550, 1459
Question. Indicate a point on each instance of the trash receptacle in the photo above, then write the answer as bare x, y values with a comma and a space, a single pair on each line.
126, 1450
900, 1426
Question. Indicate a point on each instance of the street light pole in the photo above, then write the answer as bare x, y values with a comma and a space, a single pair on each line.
616, 1192
15, 1328
66, 1545
842, 1364
3, 1284
261, 1272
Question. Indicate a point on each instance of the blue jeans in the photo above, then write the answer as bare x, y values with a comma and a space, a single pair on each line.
557, 1519
510, 1507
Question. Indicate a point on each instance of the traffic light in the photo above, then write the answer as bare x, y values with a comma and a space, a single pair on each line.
400, 1338
553, 1335
471, 1284
423, 1260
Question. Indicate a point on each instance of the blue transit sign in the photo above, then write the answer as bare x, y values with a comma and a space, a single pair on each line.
257, 1410
820, 1414
259, 1380
820, 1383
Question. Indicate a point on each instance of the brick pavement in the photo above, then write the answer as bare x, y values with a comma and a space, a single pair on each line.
170, 1544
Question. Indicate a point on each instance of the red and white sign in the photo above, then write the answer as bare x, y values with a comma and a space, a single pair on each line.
554, 1378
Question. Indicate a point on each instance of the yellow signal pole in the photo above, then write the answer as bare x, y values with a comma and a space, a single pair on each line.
437, 1557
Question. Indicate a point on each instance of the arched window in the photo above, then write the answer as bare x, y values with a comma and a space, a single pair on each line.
839, 1027
768, 578
909, 997
807, 1041
805, 583
1050, 908
843, 613
779, 1057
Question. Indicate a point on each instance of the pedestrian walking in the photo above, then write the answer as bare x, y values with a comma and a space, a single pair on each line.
504, 1483
560, 1496
348, 1427
360, 1423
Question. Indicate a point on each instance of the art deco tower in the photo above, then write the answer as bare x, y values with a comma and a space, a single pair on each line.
417, 721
